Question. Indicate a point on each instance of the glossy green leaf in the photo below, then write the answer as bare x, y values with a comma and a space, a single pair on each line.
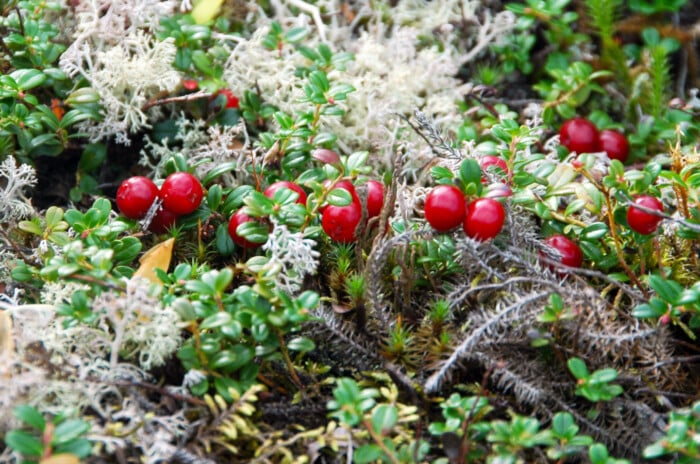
24, 443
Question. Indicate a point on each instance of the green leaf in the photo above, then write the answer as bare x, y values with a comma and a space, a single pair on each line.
28, 78
224, 242
668, 290
301, 344
319, 81
295, 34
253, 231
357, 160
563, 425
81, 447
367, 453
654, 451
69, 430
24, 443
598, 454
83, 96
30, 227
644, 311
595, 231
74, 116
384, 417
308, 299
202, 62
604, 376
126, 249
216, 320
470, 171
578, 368
258, 205
93, 156
339, 197
30, 416
441, 174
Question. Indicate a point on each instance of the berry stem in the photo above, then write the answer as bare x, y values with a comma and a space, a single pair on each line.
378, 440
613, 232
287, 359
618, 248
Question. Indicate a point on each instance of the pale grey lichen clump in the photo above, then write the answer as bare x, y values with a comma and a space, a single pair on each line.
15, 179
293, 255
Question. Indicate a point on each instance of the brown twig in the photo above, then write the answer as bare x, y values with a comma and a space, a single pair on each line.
180, 98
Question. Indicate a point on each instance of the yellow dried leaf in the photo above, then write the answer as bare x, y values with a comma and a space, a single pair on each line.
7, 345
63, 458
157, 257
206, 10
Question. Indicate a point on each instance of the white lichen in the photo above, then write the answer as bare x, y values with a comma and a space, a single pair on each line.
15, 178
137, 324
294, 256
115, 50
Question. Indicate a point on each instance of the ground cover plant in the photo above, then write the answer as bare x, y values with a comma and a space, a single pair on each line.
323, 232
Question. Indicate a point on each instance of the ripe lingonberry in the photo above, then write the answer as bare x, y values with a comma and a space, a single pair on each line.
375, 198
614, 143
135, 196
445, 207
571, 254
238, 218
231, 100
162, 221
579, 135
487, 162
484, 219
641, 221
181, 193
190, 85
272, 188
340, 222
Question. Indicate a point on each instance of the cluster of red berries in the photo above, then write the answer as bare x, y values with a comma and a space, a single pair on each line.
180, 194
446, 208
239, 217
482, 219
340, 222
582, 136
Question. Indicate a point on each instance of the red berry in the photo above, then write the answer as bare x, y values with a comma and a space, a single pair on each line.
340, 222
445, 207
162, 221
272, 188
190, 85
181, 193
486, 162
579, 135
231, 99
614, 144
641, 221
571, 254
238, 218
135, 196
375, 198
484, 219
